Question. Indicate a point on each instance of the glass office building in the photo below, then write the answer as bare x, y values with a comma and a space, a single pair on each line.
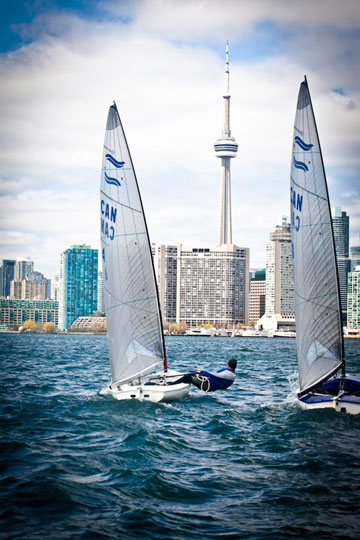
78, 284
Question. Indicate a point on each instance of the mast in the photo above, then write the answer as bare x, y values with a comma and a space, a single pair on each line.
165, 364
135, 333
226, 148
332, 236
319, 337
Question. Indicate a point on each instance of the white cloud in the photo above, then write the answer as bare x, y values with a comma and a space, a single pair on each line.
56, 92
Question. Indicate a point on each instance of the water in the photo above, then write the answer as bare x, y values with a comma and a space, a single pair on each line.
244, 463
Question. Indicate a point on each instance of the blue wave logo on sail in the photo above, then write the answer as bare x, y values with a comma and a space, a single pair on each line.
303, 144
112, 180
115, 162
300, 165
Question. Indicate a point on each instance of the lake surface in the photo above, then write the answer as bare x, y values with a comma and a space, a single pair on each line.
243, 463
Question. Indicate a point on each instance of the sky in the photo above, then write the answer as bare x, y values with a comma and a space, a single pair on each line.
63, 63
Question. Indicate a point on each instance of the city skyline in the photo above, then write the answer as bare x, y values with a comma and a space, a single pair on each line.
163, 63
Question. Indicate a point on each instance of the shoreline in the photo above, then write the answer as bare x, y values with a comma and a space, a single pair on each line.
167, 335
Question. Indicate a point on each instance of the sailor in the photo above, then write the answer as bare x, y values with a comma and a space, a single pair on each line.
209, 382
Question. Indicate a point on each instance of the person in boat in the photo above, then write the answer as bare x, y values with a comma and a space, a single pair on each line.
210, 382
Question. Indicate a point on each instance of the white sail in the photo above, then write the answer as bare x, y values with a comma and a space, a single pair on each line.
130, 293
317, 307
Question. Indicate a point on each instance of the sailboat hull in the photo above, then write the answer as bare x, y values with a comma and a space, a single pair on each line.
155, 389
341, 394
342, 404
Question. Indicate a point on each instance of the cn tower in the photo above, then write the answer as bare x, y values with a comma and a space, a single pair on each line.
226, 148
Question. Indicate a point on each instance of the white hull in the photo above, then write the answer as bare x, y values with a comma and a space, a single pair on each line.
338, 405
157, 392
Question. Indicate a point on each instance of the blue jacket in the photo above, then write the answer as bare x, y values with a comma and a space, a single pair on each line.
223, 379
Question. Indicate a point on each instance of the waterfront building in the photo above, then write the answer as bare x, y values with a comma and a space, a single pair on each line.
353, 299
257, 295
213, 285
89, 324
24, 266
100, 293
7, 271
14, 312
78, 284
279, 300
34, 287
166, 263
199, 285
340, 221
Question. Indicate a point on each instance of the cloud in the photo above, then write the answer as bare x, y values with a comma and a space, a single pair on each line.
16, 238
163, 63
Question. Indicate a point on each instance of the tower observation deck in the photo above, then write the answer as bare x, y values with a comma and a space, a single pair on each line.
226, 148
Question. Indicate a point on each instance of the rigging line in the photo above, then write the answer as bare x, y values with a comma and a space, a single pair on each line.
129, 234
116, 169
315, 224
308, 153
131, 302
312, 299
118, 202
307, 190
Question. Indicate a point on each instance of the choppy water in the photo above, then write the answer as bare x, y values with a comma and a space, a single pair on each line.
244, 463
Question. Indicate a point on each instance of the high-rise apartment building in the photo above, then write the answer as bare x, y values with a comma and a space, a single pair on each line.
34, 287
340, 222
200, 285
353, 299
78, 284
23, 268
213, 285
166, 263
7, 270
279, 302
257, 295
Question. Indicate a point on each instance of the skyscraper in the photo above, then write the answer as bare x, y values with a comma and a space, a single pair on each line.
340, 221
23, 268
226, 148
78, 284
279, 302
7, 270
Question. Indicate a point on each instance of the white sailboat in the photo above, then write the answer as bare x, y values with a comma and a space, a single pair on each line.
134, 326
319, 335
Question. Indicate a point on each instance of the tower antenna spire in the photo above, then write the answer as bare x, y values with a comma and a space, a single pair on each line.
226, 148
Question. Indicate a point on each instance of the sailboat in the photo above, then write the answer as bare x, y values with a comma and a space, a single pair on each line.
137, 351
319, 334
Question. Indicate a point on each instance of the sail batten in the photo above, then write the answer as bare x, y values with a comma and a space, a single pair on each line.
317, 306
136, 342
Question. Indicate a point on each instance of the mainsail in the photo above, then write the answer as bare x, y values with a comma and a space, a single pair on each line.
134, 325
317, 302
